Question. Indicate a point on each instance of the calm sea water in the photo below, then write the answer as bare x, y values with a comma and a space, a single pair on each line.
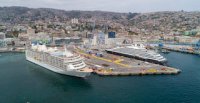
22, 82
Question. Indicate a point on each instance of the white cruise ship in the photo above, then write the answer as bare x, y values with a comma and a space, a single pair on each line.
63, 62
139, 51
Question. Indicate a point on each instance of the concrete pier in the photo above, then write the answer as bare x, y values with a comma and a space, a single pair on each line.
137, 72
112, 65
20, 50
182, 51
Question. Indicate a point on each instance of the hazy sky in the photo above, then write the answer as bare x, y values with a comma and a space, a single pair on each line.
109, 5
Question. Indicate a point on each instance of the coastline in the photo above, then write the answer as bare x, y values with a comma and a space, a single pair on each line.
12, 49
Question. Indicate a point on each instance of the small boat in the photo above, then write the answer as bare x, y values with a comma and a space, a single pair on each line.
165, 51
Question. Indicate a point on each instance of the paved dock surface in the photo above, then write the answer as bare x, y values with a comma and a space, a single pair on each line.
111, 64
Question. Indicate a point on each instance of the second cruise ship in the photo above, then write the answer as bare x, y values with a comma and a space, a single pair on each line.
139, 51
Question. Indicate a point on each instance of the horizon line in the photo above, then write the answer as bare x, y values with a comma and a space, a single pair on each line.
102, 10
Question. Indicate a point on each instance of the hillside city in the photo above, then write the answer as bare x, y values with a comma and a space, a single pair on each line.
19, 24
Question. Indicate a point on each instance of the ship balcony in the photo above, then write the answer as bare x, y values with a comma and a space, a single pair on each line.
80, 65
71, 60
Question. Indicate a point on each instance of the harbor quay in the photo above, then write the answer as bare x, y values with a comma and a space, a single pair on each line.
182, 48
114, 65
11, 49
110, 64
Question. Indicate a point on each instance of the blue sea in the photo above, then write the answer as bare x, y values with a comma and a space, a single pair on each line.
25, 82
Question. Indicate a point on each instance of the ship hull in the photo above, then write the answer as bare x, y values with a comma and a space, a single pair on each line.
58, 70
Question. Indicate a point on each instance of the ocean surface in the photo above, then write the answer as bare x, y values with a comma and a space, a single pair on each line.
24, 82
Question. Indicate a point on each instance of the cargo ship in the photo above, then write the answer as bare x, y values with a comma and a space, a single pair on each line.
59, 61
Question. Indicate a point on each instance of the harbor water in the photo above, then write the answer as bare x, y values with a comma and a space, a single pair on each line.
25, 82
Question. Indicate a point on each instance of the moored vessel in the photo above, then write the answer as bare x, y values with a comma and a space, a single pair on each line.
59, 61
139, 51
